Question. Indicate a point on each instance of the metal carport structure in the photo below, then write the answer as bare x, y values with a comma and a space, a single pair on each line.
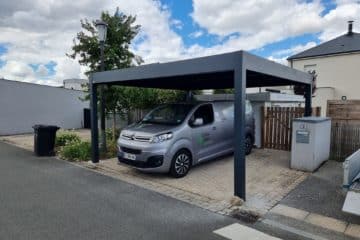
237, 70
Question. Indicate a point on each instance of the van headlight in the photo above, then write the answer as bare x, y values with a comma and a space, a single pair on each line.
161, 138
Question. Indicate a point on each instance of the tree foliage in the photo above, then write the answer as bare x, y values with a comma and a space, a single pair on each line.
122, 30
117, 54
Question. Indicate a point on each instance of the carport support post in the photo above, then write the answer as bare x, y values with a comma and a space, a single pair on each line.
308, 96
239, 126
94, 122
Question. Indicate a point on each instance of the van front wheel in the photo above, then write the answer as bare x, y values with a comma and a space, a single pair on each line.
181, 164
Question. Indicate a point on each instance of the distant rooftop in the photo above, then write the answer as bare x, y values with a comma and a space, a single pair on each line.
75, 80
347, 43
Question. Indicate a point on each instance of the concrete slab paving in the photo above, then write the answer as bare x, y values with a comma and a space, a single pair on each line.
332, 224
322, 193
289, 212
269, 178
353, 230
326, 222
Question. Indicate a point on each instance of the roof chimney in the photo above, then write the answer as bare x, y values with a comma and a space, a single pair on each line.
350, 28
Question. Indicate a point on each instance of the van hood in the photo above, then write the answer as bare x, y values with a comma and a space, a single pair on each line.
147, 129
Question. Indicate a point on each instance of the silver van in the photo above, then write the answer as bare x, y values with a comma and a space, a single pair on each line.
174, 137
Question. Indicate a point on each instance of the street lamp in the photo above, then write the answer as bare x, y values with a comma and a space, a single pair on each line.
101, 27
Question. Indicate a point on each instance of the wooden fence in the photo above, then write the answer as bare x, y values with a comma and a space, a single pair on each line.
345, 140
345, 129
344, 112
277, 126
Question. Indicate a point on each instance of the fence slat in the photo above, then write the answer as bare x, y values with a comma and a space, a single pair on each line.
277, 125
345, 139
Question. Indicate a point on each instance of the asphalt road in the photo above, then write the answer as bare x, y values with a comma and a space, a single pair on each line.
46, 198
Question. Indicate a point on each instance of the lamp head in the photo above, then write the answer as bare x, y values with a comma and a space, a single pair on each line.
101, 27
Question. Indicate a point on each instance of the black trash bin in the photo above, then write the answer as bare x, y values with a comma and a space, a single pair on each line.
44, 140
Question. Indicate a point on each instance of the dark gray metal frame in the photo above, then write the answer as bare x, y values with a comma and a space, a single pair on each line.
232, 70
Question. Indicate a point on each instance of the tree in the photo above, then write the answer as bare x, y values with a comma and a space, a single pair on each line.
121, 31
117, 54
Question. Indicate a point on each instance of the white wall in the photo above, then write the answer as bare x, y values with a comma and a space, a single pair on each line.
23, 105
341, 72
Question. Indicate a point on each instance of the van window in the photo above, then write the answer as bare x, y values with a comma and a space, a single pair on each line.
171, 114
205, 112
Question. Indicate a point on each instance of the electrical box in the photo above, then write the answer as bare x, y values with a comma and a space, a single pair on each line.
310, 142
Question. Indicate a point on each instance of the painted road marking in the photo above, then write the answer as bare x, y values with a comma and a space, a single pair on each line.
239, 232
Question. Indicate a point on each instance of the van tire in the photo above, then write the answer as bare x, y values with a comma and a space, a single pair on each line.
248, 144
181, 164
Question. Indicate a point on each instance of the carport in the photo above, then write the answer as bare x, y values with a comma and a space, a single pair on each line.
237, 70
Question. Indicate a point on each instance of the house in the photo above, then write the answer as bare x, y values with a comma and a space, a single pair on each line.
25, 104
337, 65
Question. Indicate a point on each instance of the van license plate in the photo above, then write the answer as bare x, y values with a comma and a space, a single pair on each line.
129, 156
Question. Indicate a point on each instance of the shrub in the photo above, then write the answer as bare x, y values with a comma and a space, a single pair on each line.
76, 151
112, 149
109, 134
66, 137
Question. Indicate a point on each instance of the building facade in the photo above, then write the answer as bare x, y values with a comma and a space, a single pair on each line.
337, 66
24, 105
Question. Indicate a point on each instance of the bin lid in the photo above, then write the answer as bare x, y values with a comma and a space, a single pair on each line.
312, 119
38, 126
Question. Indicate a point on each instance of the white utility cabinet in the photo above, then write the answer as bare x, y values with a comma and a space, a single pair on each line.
310, 142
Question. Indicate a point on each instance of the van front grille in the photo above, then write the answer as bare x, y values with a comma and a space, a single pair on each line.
130, 150
136, 138
142, 139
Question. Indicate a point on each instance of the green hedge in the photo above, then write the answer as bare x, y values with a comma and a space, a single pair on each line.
65, 137
76, 151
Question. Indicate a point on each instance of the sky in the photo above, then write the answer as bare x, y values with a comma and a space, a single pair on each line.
35, 35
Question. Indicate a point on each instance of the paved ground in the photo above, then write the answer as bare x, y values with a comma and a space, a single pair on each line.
45, 198
322, 193
269, 179
209, 185
26, 141
314, 207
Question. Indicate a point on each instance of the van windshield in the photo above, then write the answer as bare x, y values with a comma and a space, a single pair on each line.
170, 114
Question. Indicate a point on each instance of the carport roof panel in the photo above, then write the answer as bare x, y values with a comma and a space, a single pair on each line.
212, 72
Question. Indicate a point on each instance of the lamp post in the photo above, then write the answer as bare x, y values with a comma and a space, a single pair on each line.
101, 27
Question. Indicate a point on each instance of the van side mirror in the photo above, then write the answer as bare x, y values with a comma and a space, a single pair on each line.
198, 122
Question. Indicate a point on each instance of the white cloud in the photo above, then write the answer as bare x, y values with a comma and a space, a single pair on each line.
42, 71
177, 23
293, 50
37, 32
281, 60
253, 17
336, 19
159, 42
41, 31
260, 22
196, 34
